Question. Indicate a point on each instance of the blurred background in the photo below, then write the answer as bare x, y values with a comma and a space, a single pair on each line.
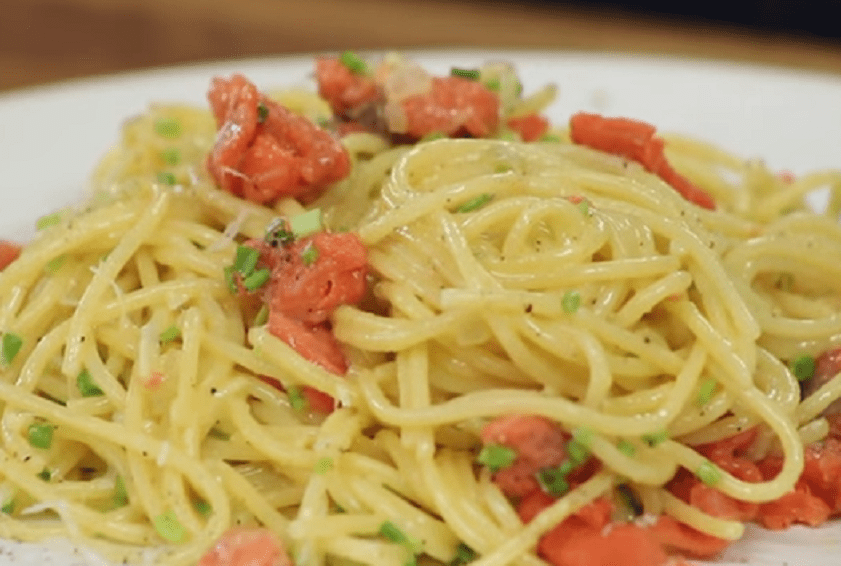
47, 40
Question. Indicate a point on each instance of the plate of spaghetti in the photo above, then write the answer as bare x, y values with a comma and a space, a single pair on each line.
421, 309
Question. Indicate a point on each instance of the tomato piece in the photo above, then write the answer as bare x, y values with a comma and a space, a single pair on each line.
264, 151
241, 546
636, 140
453, 106
9, 252
674, 536
343, 89
530, 127
539, 443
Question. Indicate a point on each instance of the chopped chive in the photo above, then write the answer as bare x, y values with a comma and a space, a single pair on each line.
296, 399
171, 156
464, 555
706, 391
551, 138
10, 347
203, 507
310, 254
218, 434
496, 456
508, 135
262, 112
170, 334
571, 302
584, 207
708, 473
323, 465
168, 127
246, 260
393, 533
306, 223
48, 220
168, 526
626, 448
432, 136
472, 74
86, 385
553, 481
230, 281
257, 279
55, 264
120, 498
40, 435
166, 178
354, 63
655, 438
262, 316
45, 474
583, 435
8, 507
476, 203
577, 452
803, 367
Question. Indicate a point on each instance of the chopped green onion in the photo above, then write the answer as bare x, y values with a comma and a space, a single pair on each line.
8, 507
229, 278
48, 220
168, 127
167, 178
203, 507
55, 264
550, 138
706, 391
45, 474
323, 465
257, 279
432, 136
577, 452
354, 63
10, 347
306, 223
583, 435
120, 498
503, 168
509, 135
310, 254
496, 456
708, 473
475, 203
655, 438
168, 526
553, 481
86, 385
464, 555
262, 113
171, 156
262, 316
571, 301
41, 435
803, 367
170, 334
246, 260
218, 434
584, 207
296, 399
626, 448
472, 74
392, 533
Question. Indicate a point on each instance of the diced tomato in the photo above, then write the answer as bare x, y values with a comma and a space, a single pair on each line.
317, 401
343, 89
539, 443
9, 252
453, 106
827, 366
635, 140
677, 537
302, 295
264, 151
531, 127
798, 506
242, 546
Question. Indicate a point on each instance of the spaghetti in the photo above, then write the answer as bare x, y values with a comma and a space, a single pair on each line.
147, 406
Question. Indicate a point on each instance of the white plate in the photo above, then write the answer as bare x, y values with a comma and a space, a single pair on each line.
50, 138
